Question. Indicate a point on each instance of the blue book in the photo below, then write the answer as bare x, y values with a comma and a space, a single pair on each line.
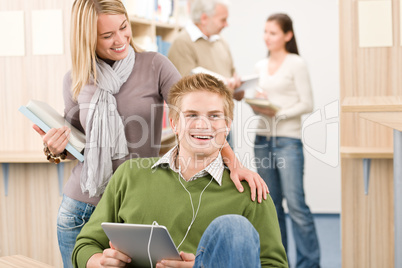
45, 117
165, 48
158, 40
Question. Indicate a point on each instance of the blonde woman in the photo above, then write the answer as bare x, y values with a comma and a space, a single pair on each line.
114, 94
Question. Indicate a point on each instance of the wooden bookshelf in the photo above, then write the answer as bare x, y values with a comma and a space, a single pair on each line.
146, 30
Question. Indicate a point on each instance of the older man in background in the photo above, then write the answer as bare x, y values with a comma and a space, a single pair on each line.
200, 44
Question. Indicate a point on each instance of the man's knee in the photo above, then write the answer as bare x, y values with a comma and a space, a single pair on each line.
231, 241
234, 226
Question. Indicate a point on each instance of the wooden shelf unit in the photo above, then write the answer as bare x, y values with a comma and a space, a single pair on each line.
148, 29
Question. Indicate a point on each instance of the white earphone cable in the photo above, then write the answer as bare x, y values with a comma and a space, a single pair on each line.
191, 200
149, 243
192, 206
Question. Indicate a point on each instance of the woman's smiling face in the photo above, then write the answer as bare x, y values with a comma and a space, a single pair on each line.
114, 35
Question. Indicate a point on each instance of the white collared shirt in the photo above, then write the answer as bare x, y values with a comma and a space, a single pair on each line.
195, 33
215, 168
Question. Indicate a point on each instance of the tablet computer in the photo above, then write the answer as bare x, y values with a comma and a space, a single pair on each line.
133, 239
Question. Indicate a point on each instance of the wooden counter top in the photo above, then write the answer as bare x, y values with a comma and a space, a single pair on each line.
384, 110
367, 152
19, 261
372, 104
24, 157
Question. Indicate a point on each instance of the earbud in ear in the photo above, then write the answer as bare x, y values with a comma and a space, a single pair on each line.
227, 131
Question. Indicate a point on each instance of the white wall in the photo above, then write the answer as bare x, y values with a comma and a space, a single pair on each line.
316, 30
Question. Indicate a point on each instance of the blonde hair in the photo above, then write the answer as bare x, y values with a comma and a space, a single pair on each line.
83, 38
196, 83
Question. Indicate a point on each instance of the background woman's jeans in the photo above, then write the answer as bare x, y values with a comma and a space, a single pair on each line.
281, 165
71, 218
229, 241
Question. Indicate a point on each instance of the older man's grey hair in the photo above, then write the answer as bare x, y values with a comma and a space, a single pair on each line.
205, 6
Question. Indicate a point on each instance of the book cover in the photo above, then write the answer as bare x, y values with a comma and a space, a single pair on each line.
200, 69
262, 103
248, 81
45, 117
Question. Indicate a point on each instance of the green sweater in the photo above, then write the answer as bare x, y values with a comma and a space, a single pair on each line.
142, 195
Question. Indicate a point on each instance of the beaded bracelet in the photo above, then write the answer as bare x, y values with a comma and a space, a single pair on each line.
54, 158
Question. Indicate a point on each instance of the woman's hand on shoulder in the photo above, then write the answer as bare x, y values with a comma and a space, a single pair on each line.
258, 187
55, 139
239, 173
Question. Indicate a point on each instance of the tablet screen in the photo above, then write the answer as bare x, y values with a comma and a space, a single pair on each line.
133, 239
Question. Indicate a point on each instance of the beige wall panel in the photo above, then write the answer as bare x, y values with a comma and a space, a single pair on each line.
29, 211
374, 75
397, 49
31, 77
347, 42
367, 220
356, 131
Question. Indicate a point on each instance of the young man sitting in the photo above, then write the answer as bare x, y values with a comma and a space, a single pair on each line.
189, 191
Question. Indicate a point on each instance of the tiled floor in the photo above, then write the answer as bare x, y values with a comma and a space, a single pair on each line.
329, 235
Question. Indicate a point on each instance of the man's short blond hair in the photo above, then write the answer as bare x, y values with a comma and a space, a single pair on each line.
197, 83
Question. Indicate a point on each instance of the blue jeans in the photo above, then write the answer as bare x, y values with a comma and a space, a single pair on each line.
229, 241
281, 165
71, 218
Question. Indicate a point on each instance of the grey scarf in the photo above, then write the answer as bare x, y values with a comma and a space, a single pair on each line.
105, 139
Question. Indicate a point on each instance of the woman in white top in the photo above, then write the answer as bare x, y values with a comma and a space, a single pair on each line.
284, 80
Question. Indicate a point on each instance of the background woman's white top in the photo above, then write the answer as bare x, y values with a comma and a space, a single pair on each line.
290, 89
